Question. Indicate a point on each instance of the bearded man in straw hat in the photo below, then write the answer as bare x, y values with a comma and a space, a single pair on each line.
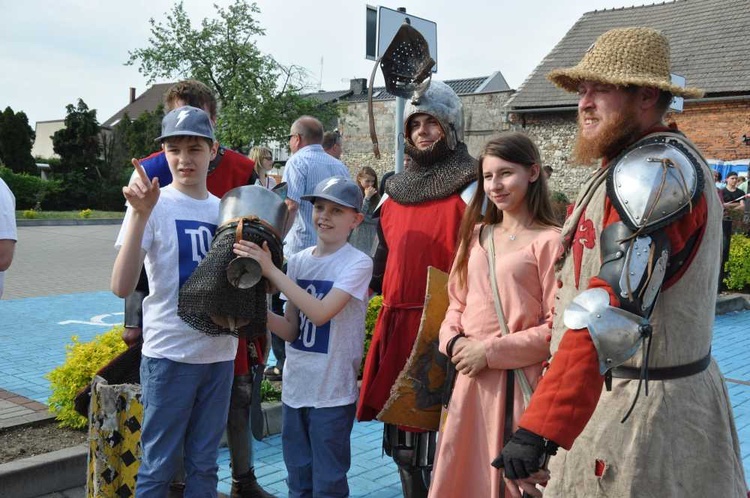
636, 301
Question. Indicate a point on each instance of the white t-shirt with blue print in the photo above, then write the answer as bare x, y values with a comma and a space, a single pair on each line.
322, 364
177, 237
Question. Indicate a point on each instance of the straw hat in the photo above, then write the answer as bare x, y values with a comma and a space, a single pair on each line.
623, 57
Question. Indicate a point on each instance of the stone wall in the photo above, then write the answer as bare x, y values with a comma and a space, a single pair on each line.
554, 134
715, 127
483, 116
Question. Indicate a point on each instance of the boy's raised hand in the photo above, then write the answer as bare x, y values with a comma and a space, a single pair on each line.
247, 249
142, 193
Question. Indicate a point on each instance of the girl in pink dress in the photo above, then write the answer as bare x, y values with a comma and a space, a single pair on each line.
527, 243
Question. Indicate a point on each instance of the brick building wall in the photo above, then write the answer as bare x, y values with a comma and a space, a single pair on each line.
717, 128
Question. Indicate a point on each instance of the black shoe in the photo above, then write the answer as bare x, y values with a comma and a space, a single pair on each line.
246, 486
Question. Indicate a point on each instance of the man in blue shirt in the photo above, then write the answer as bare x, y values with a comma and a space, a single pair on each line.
308, 166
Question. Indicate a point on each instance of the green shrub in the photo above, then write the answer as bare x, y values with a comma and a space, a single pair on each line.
738, 267
30, 214
82, 361
268, 392
30, 191
560, 197
373, 309
85, 213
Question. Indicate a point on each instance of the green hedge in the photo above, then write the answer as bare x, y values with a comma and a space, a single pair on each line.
30, 191
738, 267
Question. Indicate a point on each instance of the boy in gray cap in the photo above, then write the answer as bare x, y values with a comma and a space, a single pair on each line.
186, 376
326, 292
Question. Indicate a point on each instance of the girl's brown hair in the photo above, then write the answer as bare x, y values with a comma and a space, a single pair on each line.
368, 171
514, 147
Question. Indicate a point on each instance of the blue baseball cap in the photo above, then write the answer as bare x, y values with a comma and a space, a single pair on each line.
339, 190
186, 121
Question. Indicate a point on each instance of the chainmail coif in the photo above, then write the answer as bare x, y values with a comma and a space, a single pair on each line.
436, 173
207, 292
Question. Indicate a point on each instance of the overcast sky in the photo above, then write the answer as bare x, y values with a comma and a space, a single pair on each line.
53, 52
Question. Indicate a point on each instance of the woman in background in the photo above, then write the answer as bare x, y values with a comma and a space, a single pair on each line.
364, 237
263, 159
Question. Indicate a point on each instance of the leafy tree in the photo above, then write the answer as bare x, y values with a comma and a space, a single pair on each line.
78, 143
16, 139
88, 180
129, 139
142, 132
260, 98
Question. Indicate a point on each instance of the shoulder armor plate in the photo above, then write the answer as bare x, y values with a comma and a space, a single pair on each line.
655, 181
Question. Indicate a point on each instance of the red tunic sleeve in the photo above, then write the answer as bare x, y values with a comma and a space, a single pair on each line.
567, 396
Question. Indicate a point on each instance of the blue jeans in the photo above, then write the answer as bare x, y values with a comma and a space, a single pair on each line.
183, 405
317, 450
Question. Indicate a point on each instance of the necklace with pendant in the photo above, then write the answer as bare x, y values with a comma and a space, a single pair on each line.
513, 236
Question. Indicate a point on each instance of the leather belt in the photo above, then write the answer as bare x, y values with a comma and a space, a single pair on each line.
664, 373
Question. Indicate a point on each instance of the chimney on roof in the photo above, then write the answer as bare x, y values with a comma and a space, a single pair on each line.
132, 95
358, 86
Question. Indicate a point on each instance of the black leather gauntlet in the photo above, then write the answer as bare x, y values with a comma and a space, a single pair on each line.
524, 454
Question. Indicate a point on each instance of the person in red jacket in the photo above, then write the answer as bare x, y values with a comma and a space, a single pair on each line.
228, 170
418, 227
632, 395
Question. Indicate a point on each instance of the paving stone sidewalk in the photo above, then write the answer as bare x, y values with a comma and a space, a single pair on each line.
58, 287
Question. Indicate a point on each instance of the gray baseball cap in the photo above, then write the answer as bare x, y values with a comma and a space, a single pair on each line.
186, 121
339, 190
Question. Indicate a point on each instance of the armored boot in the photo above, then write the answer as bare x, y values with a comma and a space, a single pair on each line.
413, 453
246, 486
412, 482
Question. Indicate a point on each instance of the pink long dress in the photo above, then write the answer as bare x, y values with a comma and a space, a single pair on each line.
473, 432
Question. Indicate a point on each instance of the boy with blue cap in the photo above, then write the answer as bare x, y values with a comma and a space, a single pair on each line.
324, 326
186, 376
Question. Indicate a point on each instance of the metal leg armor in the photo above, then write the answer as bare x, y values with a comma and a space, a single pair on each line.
244, 483
238, 424
134, 311
414, 453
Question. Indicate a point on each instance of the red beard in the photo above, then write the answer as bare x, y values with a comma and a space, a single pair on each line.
622, 131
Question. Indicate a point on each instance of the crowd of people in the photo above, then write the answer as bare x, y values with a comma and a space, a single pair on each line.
578, 358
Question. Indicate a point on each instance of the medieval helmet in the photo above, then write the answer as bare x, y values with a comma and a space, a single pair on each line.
442, 103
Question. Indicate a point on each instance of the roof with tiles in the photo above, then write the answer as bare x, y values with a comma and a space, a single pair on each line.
147, 101
708, 40
326, 97
483, 84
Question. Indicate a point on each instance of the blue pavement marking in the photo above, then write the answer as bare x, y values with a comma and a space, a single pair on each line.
35, 331
371, 475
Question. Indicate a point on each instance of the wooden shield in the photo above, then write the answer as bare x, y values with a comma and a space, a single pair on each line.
416, 396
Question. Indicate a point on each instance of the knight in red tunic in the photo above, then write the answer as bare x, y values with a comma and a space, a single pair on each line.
419, 222
633, 404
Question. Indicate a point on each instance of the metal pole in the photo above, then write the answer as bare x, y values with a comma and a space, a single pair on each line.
399, 116
399, 138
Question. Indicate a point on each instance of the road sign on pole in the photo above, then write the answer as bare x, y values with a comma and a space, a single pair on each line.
382, 24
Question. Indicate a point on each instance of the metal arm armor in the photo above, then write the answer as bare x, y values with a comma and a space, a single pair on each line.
634, 266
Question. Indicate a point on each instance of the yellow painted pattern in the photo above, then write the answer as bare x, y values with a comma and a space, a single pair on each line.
115, 419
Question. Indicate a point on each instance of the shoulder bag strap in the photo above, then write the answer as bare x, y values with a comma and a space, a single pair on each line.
487, 241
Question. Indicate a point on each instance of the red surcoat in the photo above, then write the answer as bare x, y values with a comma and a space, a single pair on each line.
417, 236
